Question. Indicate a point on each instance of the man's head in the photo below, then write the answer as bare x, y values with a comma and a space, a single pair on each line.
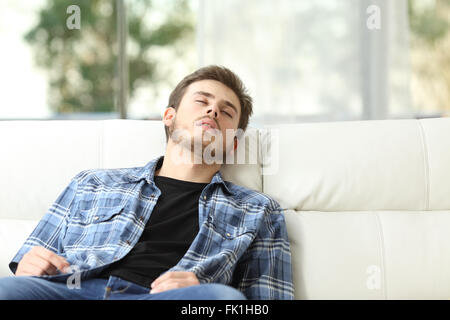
230, 107
211, 101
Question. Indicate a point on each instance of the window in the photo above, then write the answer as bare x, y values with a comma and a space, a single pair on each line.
95, 59
161, 49
24, 86
323, 61
301, 60
430, 56
310, 60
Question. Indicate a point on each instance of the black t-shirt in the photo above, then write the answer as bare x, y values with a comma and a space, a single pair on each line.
167, 236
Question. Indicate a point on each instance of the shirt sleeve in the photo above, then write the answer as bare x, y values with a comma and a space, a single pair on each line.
47, 233
265, 272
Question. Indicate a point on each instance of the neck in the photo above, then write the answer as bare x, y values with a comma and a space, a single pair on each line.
185, 170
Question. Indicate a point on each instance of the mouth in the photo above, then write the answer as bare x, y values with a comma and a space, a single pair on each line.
206, 124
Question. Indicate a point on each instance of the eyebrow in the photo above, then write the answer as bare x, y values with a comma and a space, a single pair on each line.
209, 95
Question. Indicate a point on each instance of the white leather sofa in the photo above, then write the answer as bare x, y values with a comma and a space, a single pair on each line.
367, 202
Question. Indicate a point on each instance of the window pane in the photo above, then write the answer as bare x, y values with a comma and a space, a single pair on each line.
312, 60
161, 51
430, 56
62, 58
23, 85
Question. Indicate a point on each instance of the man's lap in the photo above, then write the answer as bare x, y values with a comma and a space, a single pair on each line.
37, 288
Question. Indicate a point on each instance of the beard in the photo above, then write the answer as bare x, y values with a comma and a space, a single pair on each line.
204, 146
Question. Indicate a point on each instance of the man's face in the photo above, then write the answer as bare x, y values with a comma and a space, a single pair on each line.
207, 109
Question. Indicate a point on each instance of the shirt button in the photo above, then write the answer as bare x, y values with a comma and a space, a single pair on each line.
95, 218
204, 197
228, 234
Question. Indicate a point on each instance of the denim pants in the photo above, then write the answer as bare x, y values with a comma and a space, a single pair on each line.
114, 288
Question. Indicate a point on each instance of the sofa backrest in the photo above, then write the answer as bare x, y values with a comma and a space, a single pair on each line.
367, 203
367, 207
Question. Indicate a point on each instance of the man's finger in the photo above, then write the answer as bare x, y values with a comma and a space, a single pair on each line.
32, 269
174, 280
167, 285
57, 261
170, 284
43, 266
172, 275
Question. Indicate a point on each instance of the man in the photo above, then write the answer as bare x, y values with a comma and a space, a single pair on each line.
173, 229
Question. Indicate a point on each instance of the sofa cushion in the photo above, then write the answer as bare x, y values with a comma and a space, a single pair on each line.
350, 166
367, 207
370, 255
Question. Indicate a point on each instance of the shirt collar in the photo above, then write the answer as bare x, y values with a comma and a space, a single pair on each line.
147, 172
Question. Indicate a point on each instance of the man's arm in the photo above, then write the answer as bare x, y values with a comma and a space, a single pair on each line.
265, 272
47, 235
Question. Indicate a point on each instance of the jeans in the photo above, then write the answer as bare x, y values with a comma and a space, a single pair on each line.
114, 288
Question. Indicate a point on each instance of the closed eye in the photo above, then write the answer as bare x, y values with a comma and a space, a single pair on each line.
205, 103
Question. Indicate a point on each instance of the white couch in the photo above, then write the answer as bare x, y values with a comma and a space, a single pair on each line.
367, 202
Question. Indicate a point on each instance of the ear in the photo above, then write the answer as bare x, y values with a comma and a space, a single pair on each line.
169, 116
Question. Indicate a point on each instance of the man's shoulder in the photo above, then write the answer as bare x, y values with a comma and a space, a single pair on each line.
251, 196
107, 176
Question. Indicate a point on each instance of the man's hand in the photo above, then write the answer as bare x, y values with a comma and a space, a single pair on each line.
40, 261
174, 280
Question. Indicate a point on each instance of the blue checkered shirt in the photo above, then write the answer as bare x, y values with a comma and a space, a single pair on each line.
100, 216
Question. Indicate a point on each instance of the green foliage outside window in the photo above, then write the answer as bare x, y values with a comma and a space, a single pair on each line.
430, 54
82, 63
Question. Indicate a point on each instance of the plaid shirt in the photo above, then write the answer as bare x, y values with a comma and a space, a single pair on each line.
100, 216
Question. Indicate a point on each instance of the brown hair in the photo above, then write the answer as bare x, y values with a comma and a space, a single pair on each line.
223, 75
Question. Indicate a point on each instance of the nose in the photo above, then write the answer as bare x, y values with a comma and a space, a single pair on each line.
213, 111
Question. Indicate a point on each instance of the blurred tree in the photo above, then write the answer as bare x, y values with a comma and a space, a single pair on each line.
430, 58
429, 21
82, 63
